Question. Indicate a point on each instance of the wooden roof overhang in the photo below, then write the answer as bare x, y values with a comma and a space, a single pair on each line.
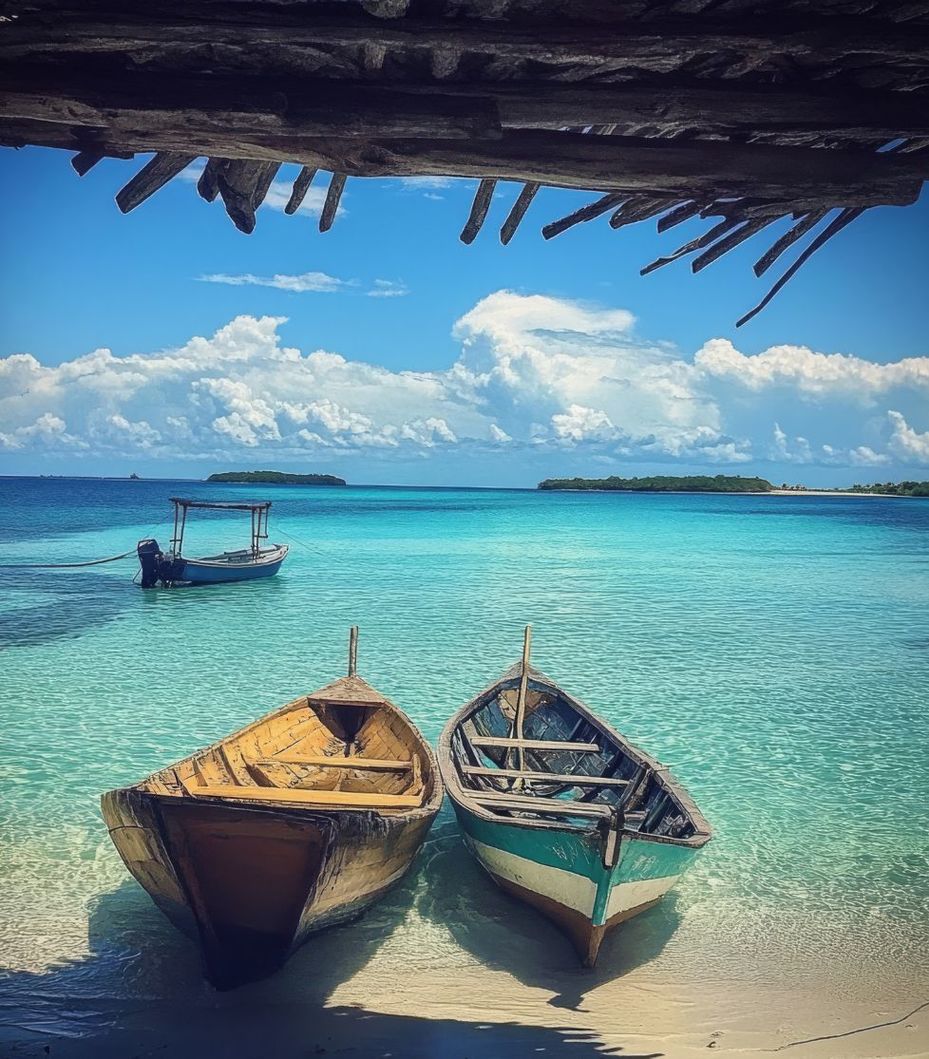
744, 112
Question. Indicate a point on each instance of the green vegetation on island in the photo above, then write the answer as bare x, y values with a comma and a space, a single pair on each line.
893, 488
276, 478
697, 483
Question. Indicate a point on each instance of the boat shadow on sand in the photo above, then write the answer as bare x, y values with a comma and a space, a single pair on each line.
506, 934
140, 991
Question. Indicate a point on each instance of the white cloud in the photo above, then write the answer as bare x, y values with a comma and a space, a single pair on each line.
318, 282
545, 377
388, 288
810, 374
911, 446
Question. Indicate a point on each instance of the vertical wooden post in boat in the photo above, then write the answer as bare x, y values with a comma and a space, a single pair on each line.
352, 650
521, 699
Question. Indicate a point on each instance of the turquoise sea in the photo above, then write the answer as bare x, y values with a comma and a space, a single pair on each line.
773, 650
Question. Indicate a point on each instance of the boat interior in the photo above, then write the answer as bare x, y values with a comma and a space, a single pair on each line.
242, 555
564, 766
341, 747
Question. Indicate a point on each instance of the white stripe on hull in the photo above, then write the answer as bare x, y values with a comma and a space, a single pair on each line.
568, 889
628, 895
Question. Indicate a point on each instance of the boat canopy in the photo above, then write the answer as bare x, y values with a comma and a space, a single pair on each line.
235, 505
258, 509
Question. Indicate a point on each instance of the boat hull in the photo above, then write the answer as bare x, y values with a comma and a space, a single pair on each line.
195, 572
251, 885
561, 873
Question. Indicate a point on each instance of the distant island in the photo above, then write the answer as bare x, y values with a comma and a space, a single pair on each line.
893, 488
276, 478
698, 483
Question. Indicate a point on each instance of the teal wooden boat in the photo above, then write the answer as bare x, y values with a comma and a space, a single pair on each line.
561, 810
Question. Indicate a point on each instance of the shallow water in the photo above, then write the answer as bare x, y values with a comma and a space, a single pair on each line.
773, 650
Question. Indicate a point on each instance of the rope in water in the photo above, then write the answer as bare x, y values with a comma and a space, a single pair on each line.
65, 566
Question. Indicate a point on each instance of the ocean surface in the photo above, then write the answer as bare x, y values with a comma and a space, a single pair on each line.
773, 650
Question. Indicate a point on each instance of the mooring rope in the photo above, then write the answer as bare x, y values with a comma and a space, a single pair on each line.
65, 566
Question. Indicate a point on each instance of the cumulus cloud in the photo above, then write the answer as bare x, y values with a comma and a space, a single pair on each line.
910, 445
811, 374
538, 375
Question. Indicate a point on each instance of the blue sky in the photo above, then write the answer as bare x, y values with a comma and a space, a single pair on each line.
435, 362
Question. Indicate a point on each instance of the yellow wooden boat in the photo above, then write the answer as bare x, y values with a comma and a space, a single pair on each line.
296, 822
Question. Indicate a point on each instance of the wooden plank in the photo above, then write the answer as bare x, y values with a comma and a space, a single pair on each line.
556, 806
84, 161
153, 175
370, 704
263, 102
327, 216
242, 186
479, 208
373, 764
236, 104
658, 46
300, 188
518, 211
535, 744
545, 777
342, 799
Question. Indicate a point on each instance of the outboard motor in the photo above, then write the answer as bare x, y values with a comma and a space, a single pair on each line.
150, 559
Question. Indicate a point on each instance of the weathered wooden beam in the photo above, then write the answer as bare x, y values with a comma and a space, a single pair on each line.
563, 159
233, 105
84, 161
516, 214
152, 176
657, 46
479, 208
640, 209
729, 242
208, 184
843, 218
331, 205
300, 188
242, 186
84, 93
803, 225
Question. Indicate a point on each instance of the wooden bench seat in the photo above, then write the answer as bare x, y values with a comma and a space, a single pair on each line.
343, 799
545, 777
554, 806
534, 744
372, 764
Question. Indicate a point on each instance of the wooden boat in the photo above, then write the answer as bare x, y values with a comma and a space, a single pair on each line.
296, 822
173, 568
561, 810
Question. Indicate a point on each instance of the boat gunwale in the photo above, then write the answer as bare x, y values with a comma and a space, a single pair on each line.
663, 777
429, 806
266, 557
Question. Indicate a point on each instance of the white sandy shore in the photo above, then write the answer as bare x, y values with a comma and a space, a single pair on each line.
434, 1013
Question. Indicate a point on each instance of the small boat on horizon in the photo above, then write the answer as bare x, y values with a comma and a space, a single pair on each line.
173, 568
299, 821
562, 811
